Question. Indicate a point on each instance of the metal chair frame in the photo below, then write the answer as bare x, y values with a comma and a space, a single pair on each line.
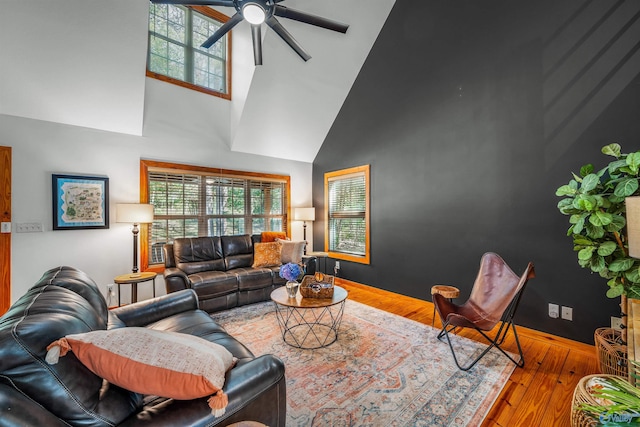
506, 323
506, 320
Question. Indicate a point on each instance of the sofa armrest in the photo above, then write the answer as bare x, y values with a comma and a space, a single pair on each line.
253, 384
256, 390
175, 280
149, 311
19, 410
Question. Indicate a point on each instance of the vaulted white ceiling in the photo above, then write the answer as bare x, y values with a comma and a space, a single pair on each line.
290, 105
81, 62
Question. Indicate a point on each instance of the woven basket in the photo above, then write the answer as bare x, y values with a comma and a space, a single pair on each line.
611, 352
313, 288
581, 395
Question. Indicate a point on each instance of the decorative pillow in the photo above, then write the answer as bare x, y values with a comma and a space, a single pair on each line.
292, 251
166, 364
271, 236
266, 254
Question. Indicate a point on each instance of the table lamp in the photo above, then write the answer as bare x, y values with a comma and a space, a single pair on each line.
304, 214
134, 213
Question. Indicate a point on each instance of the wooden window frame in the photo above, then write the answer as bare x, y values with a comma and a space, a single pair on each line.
146, 165
344, 173
218, 16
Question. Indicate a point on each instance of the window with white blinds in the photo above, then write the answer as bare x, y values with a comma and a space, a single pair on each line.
347, 212
190, 204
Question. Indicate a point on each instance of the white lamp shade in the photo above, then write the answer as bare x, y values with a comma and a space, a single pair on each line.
134, 213
633, 225
305, 214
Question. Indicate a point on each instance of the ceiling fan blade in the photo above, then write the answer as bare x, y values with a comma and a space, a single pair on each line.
222, 30
288, 38
256, 35
228, 3
308, 18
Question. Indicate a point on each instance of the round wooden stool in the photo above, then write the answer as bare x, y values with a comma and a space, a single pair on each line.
449, 292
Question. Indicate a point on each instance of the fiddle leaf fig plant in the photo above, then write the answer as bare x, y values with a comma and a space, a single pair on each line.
594, 202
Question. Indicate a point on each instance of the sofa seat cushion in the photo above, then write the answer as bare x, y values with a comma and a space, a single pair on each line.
209, 284
253, 278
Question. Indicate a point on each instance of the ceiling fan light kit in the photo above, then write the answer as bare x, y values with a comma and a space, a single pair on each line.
255, 12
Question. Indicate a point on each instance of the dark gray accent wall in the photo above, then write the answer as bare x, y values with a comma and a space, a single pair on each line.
471, 113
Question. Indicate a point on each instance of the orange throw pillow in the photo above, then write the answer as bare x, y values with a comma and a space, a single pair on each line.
166, 364
271, 236
266, 254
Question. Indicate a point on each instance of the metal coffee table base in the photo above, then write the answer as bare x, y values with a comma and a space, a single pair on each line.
310, 328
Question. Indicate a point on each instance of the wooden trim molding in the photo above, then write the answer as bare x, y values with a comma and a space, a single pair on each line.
145, 165
221, 17
345, 173
5, 238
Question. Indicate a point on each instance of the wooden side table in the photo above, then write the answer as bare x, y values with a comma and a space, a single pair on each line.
446, 291
133, 279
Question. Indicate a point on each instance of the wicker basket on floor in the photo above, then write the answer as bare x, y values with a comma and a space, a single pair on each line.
611, 352
581, 395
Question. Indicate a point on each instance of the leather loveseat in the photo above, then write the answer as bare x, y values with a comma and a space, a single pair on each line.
219, 269
66, 301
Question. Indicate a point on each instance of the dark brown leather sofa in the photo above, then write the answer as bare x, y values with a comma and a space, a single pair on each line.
219, 269
66, 301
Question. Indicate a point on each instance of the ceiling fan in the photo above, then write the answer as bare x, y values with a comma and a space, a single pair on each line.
256, 12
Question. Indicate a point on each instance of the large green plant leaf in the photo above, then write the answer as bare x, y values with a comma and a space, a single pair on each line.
607, 248
566, 190
600, 219
626, 187
566, 207
594, 231
621, 264
633, 160
585, 202
586, 253
590, 182
586, 170
612, 150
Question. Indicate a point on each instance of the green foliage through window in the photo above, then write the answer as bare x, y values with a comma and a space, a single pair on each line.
194, 204
175, 35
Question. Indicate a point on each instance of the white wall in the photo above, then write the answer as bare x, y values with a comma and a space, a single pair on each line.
78, 62
41, 148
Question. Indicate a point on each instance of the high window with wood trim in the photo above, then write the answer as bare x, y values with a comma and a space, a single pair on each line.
174, 53
192, 201
347, 214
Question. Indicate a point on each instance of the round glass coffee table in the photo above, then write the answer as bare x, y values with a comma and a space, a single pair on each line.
309, 322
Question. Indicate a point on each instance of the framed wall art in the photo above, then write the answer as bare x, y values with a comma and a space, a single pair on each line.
80, 202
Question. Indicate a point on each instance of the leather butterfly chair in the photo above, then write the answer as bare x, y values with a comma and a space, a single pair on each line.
494, 298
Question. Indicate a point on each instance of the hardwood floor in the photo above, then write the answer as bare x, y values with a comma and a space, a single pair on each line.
539, 394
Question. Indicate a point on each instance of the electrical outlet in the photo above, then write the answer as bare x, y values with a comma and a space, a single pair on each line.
616, 323
554, 311
6, 227
567, 313
337, 265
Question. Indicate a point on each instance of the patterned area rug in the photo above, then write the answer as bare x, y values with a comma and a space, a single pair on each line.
384, 370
